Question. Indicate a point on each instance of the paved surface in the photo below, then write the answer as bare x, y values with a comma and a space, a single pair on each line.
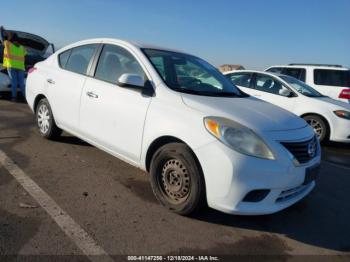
113, 202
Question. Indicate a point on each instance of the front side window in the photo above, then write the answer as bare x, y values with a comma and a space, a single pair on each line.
301, 87
298, 73
240, 79
332, 77
190, 74
269, 84
115, 61
79, 59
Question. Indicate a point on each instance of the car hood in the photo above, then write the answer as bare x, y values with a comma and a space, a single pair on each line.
255, 114
31, 41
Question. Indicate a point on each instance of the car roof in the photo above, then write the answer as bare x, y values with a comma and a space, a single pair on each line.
135, 44
255, 71
310, 66
245, 71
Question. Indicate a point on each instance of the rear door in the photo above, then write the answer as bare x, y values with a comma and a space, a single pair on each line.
65, 84
333, 83
110, 115
270, 90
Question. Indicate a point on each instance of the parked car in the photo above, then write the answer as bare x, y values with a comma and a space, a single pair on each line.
330, 118
329, 80
177, 117
37, 50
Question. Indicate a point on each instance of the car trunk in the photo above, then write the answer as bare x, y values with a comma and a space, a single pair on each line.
36, 47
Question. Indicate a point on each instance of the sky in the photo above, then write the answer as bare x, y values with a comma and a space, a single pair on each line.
253, 33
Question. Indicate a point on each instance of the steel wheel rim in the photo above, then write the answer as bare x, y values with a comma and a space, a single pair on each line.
43, 118
316, 126
175, 181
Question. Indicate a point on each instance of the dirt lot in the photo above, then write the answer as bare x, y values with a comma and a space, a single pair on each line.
113, 203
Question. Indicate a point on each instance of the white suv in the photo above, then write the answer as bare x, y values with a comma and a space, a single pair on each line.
177, 117
329, 80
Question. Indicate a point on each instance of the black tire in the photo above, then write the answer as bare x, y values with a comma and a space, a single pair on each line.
177, 180
319, 125
50, 131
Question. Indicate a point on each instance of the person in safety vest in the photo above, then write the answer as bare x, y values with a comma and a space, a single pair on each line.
14, 55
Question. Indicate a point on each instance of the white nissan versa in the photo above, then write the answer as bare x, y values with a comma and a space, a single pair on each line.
174, 115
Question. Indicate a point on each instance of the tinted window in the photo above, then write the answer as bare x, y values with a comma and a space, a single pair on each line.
269, 84
298, 73
63, 58
115, 61
79, 59
240, 79
332, 77
275, 70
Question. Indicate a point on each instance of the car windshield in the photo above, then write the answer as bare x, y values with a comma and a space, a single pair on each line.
301, 87
190, 74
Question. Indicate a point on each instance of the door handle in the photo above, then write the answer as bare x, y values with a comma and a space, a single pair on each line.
91, 94
50, 81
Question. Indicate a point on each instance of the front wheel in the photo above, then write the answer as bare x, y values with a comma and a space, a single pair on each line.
177, 179
45, 120
319, 125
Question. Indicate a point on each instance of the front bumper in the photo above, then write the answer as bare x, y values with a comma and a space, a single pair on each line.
230, 176
341, 130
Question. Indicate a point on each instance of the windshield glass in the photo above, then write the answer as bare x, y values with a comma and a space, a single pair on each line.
190, 74
301, 87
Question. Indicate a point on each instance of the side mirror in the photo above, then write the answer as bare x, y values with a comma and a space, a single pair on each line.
131, 80
285, 92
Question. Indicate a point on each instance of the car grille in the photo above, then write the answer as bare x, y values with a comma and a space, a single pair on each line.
300, 150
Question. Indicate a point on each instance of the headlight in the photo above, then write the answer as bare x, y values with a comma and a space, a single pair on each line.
238, 137
342, 114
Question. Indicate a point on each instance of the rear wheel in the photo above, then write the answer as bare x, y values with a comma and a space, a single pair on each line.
177, 180
45, 120
319, 125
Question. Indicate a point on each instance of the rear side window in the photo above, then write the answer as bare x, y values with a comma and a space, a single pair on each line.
240, 79
274, 70
63, 58
115, 61
79, 59
298, 73
332, 77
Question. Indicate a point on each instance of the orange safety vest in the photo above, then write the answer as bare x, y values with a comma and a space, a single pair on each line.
13, 56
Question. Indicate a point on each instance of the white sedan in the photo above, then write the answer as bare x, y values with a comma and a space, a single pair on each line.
330, 118
177, 117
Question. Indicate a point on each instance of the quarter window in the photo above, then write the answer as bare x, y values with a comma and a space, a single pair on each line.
240, 79
298, 73
332, 77
63, 58
275, 70
115, 61
79, 59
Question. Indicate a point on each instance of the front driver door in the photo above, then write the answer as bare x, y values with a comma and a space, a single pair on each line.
110, 115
